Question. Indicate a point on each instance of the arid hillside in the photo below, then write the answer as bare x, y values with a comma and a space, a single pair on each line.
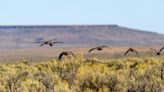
16, 37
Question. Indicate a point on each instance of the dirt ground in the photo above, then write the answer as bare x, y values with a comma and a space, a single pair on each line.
44, 53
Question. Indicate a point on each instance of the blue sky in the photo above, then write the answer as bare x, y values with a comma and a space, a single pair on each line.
141, 14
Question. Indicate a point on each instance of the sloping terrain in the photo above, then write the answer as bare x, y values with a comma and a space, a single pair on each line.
15, 37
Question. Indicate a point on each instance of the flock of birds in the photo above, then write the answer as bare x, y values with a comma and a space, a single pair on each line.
99, 48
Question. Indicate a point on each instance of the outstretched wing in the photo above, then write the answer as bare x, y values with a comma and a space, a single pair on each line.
132, 50
57, 42
71, 53
105, 47
92, 49
126, 52
153, 49
136, 52
42, 44
161, 49
66, 53
60, 56
39, 42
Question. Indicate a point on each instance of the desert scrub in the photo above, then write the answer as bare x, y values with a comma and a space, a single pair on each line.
128, 74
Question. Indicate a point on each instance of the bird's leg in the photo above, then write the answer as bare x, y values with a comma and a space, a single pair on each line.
51, 44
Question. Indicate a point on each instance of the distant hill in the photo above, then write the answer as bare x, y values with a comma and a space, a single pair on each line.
15, 37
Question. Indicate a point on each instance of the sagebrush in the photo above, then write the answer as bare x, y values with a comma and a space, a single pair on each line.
128, 74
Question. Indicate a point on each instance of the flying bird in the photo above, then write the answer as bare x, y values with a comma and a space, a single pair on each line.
66, 53
158, 52
131, 50
99, 48
49, 42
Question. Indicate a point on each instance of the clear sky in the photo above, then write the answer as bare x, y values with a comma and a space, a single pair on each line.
141, 14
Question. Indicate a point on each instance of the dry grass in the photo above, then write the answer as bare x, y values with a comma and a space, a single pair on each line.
128, 74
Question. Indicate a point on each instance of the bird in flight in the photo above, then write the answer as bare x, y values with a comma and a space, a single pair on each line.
49, 42
66, 53
131, 50
99, 48
158, 52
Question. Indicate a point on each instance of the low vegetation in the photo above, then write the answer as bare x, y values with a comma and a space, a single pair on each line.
129, 74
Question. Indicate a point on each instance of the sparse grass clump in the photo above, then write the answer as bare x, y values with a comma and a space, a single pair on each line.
84, 75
